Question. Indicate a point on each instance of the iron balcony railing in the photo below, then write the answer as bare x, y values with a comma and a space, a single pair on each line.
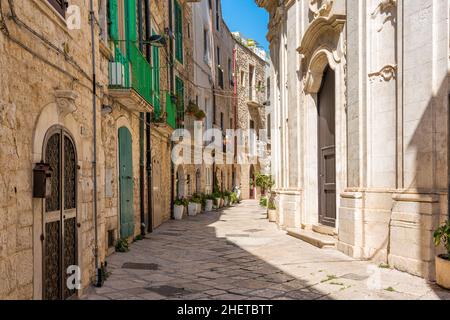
133, 71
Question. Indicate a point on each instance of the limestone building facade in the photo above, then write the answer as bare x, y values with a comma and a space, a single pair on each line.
251, 93
47, 124
360, 128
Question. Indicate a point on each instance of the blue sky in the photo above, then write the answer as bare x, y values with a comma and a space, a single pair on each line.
245, 16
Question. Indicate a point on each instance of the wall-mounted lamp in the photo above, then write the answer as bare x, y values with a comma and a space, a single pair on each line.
157, 40
106, 109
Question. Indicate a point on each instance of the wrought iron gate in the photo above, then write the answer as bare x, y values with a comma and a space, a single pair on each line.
60, 215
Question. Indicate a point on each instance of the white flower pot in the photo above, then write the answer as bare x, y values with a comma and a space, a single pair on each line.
178, 212
199, 208
217, 203
226, 202
192, 209
272, 215
209, 206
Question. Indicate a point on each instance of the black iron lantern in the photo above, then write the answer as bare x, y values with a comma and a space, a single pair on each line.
42, 174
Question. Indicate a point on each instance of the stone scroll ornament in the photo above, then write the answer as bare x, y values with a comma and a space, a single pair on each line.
384, 7
387, 73
320, 8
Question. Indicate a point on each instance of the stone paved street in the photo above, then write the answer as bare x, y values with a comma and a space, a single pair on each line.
238, 254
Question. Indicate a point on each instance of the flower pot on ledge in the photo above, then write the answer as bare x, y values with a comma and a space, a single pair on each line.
443, 271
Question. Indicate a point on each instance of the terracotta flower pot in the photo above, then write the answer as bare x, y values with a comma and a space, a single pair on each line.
443, 272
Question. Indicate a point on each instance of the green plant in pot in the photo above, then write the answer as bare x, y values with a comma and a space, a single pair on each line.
209, 202
271, 210
179, 207
217, 196
234, 198
442, 237
196, 201
200, 114
226, 196
122, 245
266, 183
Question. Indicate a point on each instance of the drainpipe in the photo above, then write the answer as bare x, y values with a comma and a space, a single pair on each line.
98, 280
149, 128
448, 158
141, 135
171, 87
235, 167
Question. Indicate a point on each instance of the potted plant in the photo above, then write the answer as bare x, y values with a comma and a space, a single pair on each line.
200, 114
179, 206
226, 197
234, 198
217, 199
442, 236
194, 205
192, 108
271, 211
209, 202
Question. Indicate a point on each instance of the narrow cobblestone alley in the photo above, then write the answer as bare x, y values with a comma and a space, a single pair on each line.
237, 254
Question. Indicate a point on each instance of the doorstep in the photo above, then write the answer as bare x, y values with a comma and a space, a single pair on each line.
314, 238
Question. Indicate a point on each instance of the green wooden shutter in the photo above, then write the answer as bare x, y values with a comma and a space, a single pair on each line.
113, 20
156, 82
130, 25
179, 87
178, 32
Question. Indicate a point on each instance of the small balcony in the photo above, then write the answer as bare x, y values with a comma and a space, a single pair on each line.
130, 80
256, 97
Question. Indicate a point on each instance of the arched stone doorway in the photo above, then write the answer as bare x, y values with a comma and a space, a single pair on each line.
323, 71
60, 214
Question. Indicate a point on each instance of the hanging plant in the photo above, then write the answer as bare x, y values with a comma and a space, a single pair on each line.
200, 114
192, 108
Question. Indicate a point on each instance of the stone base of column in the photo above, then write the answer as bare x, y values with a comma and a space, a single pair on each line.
393, 227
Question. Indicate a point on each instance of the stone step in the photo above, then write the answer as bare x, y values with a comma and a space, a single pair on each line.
329, 231
314, 238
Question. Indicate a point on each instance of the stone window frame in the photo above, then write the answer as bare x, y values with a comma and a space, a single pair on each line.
60, 6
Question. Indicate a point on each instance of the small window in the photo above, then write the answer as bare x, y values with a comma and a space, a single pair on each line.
59, 5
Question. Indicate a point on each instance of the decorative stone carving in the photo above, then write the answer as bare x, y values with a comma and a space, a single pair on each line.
387, 73
65, 100
321, 8
385, 7
321, 45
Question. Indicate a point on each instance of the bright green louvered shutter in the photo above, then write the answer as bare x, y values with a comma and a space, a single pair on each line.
156, 81
178, 32
113, 20
130, 25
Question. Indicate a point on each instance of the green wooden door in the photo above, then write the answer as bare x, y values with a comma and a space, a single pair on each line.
126, 183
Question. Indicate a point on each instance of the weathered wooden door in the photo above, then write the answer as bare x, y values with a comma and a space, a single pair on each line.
327, 150
60, 216
126, 183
